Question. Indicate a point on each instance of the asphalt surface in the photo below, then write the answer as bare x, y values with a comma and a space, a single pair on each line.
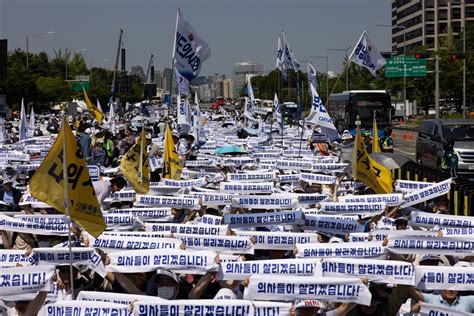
405, 144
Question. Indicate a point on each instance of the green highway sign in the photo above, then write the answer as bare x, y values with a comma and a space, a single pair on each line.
414, 67
76, 86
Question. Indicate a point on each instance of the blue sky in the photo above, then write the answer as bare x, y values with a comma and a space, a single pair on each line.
236, 30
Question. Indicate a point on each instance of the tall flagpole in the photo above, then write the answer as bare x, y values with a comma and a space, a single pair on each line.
172, 63
140, 166
66, 199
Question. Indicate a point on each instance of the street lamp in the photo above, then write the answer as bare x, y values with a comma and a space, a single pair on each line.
403, 27
327, 76
347, 60
27, 44
73, 51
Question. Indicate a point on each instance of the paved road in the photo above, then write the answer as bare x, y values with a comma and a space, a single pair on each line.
406, 147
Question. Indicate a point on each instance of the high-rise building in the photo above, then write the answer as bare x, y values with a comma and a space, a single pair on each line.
167, 76
158, 79
422, 21
241, 70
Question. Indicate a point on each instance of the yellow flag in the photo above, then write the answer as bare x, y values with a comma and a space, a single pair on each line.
92, 108
375, 139
172, 169
376, 176
47, 184
134, 166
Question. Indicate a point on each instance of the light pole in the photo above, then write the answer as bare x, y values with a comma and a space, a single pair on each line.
27, 44
403, 27
73, 51
345, 66
327, 70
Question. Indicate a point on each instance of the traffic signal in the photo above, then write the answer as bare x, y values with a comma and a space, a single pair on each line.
456, 56
421, 55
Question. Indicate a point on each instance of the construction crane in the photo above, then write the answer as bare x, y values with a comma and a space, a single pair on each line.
150, 65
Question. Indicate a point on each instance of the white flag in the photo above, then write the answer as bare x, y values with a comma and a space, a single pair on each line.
279, 59
111, 119
289, 59
23, 126
319, 116
31, 124
312, 76
184, 117
99, 107
277, 115
183, 84
190, 50
366, 54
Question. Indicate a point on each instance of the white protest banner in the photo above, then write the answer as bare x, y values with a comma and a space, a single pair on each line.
265, 155
464, 233
274, 201
312, 198
407, 186
333, 224
424, 219
329, 167
264, 219
27, 199
390, 199
185, 183
123, 195
27, 167
94, 172
230, 258
61, 256
42, 219
351, 208
427, 193
289, 177
119, 220
168, 201
245, 269
246, 187
144, 212
444, 278
200, 163
207, 219
297, 153
10, 258
155, 163
148, 234
380, 271
362, 237
187, 229
317, 178
435, 310
82, 308
431, 245
342, 250
220, 244
278, 240
212, 198
238, 161
286, 288
293, 165
117, 298
151, 259
194, 307
14, 156
30, 279
14, 225
263, 308
123, 242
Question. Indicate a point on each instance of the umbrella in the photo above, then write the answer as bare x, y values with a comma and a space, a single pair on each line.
390, 160
229, 150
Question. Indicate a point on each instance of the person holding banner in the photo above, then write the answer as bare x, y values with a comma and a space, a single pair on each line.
104, 188
447, 298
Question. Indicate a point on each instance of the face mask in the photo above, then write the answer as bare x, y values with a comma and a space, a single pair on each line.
166, 292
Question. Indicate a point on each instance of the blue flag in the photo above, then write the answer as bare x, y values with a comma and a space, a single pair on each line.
144, 110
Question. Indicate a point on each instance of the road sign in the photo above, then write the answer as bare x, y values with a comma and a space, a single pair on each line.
414, 67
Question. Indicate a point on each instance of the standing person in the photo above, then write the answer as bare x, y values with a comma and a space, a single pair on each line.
450, 159
386, 142
84, 140
10, 195
109, 147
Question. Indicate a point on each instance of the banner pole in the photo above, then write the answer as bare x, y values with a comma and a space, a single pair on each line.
140, 166
66, 199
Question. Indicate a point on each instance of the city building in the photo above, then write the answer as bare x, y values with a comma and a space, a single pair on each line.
240, 71
158, 79
420, 22
167, 76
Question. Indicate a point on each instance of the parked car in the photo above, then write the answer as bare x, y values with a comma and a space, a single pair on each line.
434, 133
